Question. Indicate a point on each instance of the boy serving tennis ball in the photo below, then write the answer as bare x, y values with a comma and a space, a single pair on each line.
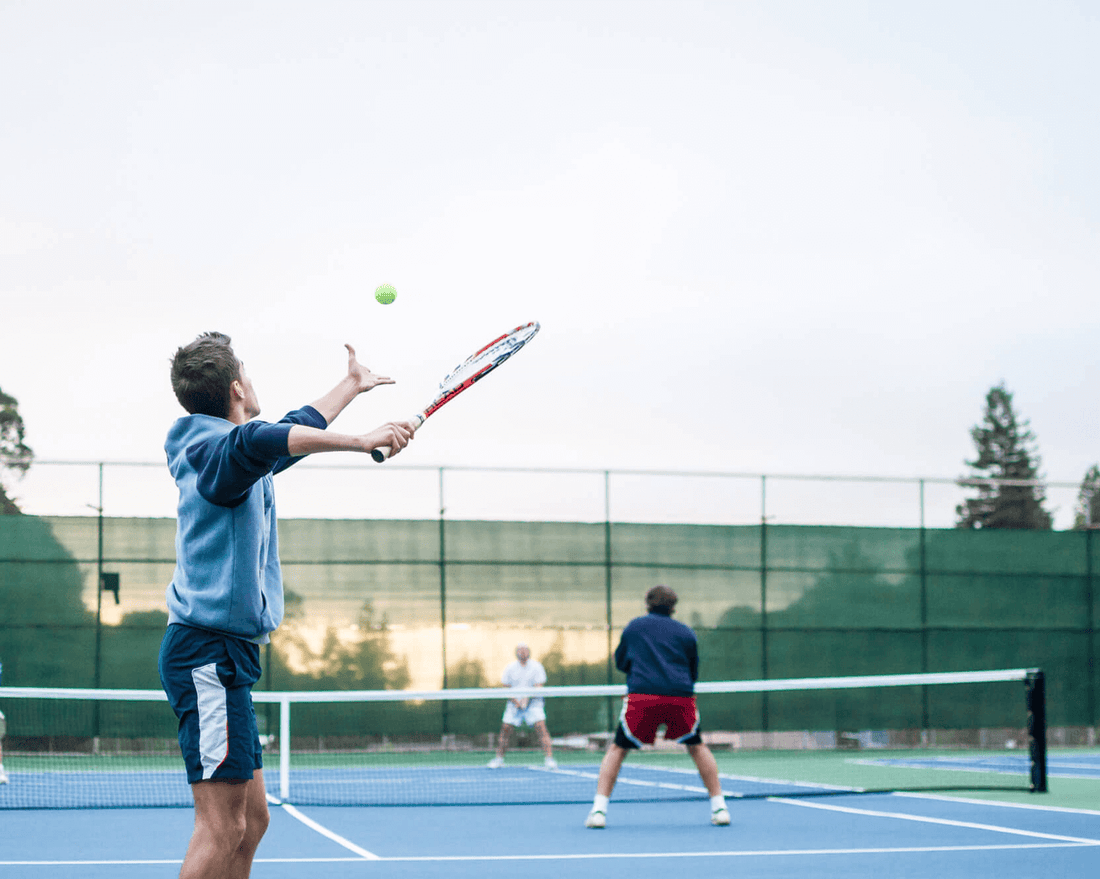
226, 595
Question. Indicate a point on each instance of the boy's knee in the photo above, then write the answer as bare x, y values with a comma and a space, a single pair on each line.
226, 832
258, 821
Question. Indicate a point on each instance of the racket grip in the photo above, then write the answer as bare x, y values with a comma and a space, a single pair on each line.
382, 452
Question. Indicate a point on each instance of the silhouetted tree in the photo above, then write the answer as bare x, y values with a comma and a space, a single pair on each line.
1086, 514
47, 635
1007, 450
561, 673
15, 454
465, 673
130, 650
360, 659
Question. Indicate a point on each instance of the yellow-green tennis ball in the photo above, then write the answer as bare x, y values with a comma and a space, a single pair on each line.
385, 294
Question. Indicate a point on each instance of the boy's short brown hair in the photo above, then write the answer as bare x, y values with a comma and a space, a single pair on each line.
202, 373
662, 600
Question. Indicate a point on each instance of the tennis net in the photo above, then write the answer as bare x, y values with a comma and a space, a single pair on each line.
70, 748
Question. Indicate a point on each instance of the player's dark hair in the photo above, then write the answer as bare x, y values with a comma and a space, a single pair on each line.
662, 600
202, 373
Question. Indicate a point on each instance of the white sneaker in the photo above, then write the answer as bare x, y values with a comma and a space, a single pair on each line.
3, 776
720, 817
496, 763
596, 820
550, 763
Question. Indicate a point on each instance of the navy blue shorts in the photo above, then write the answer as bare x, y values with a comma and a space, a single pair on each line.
208, 678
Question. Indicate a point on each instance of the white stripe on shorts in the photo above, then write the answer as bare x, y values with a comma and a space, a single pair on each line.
213, 718
638, 743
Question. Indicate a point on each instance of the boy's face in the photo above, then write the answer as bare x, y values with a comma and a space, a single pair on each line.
251, 403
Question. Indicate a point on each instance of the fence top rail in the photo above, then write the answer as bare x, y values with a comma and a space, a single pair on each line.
473, 693
963, 481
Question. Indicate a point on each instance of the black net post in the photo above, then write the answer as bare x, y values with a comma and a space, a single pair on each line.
1037, 729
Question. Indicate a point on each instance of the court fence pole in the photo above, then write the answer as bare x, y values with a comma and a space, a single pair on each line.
1090, 645
443, 598
764, 598
607, 589
96, 672
924, 646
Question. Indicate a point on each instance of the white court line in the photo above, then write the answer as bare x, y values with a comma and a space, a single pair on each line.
938, 765
637, 782
902, 816
966, 764
1003, 804
143, 863
760, 853
594, 856
782, 782
324, 831
756, 779
623, 779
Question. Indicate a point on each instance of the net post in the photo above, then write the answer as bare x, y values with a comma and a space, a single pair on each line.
1035, 684
284, 748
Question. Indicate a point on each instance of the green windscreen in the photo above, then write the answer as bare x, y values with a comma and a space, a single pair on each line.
400, 604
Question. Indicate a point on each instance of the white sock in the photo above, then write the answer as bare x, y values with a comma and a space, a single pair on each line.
718, 802
599, 804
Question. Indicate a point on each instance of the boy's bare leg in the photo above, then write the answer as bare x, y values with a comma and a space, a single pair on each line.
544, 738
609, 769
505, 735
708, 768
230, 821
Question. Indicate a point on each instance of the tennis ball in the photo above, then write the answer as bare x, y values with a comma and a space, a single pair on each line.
385, 294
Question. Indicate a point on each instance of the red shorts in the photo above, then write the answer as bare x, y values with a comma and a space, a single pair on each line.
642, 714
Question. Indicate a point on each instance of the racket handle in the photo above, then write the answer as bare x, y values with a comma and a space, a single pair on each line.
382, 452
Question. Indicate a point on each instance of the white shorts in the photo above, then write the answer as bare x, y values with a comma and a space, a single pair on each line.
529, 716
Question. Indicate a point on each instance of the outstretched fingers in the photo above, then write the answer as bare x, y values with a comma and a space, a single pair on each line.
361, 375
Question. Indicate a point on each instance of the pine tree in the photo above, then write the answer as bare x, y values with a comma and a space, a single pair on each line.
15, 455
1007, 450
1087, 512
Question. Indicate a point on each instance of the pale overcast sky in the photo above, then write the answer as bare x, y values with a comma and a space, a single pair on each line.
783, 237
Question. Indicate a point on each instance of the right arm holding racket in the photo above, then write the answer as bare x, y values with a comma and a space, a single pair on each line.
304, 440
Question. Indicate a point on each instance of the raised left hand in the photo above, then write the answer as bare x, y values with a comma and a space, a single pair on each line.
361, 375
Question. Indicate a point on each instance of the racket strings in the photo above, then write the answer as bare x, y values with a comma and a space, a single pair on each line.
492, 355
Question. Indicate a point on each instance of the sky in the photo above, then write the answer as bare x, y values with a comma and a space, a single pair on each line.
760, 237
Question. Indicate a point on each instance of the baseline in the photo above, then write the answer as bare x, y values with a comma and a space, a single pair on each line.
927, 819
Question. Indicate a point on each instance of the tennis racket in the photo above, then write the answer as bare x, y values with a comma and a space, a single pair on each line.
473, 369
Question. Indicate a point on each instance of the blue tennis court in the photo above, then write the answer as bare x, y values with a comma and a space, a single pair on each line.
895, 835
646, 778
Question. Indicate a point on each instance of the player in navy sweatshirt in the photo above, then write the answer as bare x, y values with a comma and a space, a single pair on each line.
226, 595
660, 658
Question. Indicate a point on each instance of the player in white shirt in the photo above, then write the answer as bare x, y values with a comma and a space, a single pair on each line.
524, 672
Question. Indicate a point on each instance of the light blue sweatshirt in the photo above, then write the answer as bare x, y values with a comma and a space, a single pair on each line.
228, 577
